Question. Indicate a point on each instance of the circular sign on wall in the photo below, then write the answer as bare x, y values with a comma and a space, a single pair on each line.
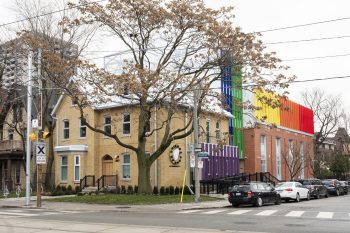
175, 154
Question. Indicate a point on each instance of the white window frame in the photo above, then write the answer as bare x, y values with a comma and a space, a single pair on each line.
125, 123
81, 126
263, 153
302, 170
76, 166
64, 166
126, 164
65, 128
107, 124
278, 159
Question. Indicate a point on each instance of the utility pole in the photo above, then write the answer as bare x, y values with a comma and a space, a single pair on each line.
39, 116
196, 146
29, 122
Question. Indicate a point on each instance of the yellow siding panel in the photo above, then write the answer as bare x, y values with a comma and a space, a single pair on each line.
267, 107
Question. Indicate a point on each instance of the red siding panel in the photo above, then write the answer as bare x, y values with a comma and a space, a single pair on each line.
290, 114
306, 120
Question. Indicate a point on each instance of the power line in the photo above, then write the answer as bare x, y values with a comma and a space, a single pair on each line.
319, 57
305, 25
48, 13
306, 40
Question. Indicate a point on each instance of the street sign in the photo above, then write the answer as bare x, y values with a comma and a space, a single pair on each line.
192, 162
200, 164
199, 149
35, 123
40, 151
203, 155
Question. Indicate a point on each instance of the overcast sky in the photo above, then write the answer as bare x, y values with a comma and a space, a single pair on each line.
261, 15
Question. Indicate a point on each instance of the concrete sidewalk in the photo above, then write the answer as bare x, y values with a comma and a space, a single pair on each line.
20, 203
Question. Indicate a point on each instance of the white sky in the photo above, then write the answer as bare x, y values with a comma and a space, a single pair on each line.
258, 15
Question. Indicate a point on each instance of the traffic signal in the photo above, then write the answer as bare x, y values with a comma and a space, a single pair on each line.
32, 137
46, 134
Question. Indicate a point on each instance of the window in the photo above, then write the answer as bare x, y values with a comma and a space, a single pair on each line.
65, 129
64, 166
107, 125
290, 149
74, 102
10, 134
218, 130
126, 166
18, 173
77, 168
207, 130
82, 129
302, 160
126, 123
263, 153
278, 159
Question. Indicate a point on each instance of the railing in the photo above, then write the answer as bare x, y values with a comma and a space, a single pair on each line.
107, 181
87, 181
11, 145
223, 185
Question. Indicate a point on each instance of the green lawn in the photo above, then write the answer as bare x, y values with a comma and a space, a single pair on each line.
121, 199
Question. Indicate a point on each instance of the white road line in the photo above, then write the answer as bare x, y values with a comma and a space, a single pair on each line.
295, 214
239, 212
17, 214
266, 212
213, 212
189, 211
325, 215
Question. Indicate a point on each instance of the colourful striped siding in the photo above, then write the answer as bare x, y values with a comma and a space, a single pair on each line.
290, 114
267, 112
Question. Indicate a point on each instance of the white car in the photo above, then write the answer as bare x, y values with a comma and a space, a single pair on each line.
292, 191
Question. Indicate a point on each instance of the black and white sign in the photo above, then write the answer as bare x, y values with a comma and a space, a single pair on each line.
40, 151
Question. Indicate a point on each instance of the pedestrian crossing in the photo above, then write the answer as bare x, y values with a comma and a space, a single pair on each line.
285, 213
15, 213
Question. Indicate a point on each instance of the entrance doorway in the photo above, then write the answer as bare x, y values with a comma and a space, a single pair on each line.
107, 165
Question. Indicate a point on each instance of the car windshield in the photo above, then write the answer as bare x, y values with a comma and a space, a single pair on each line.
241, 188
307, 182
285, 184
327, 182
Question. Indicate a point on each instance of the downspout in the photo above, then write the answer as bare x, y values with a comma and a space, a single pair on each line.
155, 148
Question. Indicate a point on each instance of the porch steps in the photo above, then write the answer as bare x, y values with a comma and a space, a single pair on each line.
89, 189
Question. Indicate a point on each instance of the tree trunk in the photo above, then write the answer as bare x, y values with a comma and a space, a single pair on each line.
144, 181
50, 159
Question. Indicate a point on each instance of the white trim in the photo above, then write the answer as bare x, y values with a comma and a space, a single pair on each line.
57, 105
76, 165
71, 148
285, 128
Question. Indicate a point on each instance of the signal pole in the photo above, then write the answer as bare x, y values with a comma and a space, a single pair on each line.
29, 122
40, 117
196, 145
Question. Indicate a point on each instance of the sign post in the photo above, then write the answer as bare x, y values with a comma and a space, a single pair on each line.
40, 152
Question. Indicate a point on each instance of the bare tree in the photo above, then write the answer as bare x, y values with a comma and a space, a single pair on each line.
177, 47
297, 160
56, 48
328, 114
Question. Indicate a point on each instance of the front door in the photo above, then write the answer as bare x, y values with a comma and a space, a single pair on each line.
107, 170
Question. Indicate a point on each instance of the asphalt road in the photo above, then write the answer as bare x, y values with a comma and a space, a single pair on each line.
329, 215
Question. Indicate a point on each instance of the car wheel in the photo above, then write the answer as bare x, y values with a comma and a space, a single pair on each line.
287, 200
235, 205
308, 196
326, 196
317, 195
337, 193
278, 200
297, 198
259, 202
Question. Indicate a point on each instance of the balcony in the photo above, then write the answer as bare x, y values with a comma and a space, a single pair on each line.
10, 145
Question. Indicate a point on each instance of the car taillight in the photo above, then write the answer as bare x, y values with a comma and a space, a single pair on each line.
249, 194
289, 190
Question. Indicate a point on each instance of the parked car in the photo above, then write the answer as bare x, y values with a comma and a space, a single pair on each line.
316, 188
345, 186
334, 187
292, 191
256, 193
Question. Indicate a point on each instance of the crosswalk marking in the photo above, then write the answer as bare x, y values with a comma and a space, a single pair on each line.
17, 214
266, 212
325, 215
189, 211
213, 212
295, 214
239, 212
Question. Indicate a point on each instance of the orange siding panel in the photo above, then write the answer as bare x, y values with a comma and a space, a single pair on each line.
290, 114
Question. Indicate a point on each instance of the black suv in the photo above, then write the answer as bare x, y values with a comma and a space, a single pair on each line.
256, 193
334, 187
317, 189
